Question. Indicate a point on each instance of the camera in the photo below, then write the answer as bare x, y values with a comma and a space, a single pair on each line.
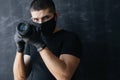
25, 29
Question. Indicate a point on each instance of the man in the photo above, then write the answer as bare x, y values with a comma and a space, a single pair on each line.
49, 54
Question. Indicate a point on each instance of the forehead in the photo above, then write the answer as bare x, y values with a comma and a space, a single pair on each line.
41, 13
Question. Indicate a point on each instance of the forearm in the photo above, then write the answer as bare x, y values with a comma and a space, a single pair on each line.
56, 66
19, 67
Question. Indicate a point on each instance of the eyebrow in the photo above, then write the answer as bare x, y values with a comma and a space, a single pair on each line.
47, 16
42, 17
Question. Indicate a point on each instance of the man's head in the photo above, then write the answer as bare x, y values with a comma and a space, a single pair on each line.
42, 10
44, 13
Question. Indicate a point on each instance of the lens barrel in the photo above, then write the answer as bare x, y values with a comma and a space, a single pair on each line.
24, 29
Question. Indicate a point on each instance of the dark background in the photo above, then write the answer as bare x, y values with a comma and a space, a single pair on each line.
97, 23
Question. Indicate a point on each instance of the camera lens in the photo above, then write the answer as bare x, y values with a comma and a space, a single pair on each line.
24, 29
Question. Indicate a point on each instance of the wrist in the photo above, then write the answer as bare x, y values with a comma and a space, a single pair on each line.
21, 53
21, 50
41, 47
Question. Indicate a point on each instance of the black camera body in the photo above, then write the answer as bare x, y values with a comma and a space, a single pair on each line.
25, 29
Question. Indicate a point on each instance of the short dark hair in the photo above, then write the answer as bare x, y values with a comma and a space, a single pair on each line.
42, 4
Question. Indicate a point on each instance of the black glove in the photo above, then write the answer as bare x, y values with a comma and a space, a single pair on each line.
35, 39
19, 43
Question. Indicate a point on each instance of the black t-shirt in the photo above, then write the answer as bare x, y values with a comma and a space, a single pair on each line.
61, 42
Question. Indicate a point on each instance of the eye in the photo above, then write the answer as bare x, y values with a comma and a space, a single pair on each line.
35, 19
45, 18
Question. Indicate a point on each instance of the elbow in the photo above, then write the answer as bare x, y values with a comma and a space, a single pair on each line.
64, 76
19, 79
18, 76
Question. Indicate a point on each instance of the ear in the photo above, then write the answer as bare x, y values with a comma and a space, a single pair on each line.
57, 15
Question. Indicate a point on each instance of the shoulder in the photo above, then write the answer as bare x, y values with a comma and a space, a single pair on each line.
67, 34
71, 43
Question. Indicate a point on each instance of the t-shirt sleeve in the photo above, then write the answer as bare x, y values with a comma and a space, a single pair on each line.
71, 45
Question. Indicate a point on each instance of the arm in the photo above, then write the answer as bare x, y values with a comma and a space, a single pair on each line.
21, 62
63, 67
21, 66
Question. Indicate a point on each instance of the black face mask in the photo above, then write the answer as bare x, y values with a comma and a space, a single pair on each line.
48, 27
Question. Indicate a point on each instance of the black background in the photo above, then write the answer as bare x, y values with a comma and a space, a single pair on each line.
97, 23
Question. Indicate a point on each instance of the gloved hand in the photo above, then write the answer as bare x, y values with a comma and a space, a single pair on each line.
19, 43
36, 39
